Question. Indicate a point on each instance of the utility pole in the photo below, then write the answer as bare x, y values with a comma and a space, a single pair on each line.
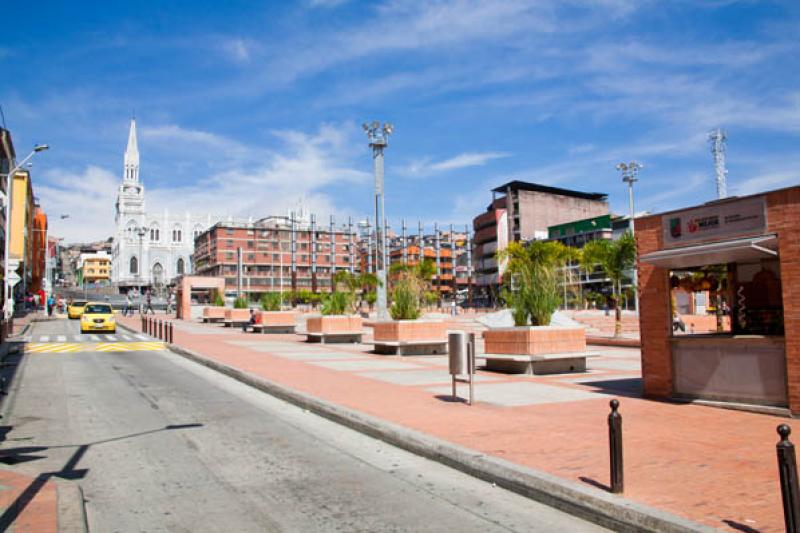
630, 173
378, 140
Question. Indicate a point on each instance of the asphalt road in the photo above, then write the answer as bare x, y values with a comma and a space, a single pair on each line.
159, 443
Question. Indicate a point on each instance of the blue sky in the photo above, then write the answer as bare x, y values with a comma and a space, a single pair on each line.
243, 107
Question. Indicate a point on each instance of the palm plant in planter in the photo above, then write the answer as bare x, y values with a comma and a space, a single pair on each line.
533, 296
338, 307
409, 288
271, 301
533, 271
614, 258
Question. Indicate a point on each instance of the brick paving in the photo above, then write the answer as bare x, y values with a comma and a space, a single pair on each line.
26, 506
710, 465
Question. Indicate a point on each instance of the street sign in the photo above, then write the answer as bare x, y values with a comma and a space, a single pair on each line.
13, 278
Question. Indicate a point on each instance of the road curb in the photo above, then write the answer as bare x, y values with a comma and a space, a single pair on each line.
71, 507
594, 505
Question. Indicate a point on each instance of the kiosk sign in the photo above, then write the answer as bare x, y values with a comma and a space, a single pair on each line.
725, 220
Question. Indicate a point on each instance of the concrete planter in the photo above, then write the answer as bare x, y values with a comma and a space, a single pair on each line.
237, 315
212, 314
410, 337
409, 330
535, 340
276, 318
334, 324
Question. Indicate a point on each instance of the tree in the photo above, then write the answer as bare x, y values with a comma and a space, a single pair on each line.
613, 258
532, 273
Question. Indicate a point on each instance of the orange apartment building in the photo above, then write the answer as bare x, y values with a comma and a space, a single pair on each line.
275, 254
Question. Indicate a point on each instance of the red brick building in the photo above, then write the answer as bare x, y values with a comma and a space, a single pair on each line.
278, 254
745, 252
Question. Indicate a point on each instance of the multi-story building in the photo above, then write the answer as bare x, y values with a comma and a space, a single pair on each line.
38, 240
20, 243
95, 268
521, 212
149, 249
275, 254
7, 156
69, 260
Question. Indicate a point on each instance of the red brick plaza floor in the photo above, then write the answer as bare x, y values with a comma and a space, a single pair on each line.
714, 466
27, 504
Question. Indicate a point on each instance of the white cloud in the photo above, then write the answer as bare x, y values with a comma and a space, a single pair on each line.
765, 182
237, 50
468, 159
86, 196
302, 167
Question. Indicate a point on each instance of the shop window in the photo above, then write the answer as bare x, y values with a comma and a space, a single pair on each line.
736, 298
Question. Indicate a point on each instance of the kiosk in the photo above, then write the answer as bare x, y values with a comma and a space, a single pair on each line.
720, 301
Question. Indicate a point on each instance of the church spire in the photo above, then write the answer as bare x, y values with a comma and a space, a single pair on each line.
132, 155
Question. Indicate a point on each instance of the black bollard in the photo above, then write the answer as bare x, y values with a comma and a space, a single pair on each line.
171, 332
143, 326
161, 330
787, 466
615, 447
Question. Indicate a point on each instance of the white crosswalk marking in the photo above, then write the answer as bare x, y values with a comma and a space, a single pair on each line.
94, 338
111, 338
44, 338
77, 337
126, 337
142, 337
61, 338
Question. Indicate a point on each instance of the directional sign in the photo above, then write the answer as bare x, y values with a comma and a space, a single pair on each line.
13, 278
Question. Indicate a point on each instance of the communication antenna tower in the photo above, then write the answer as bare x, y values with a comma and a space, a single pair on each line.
716, 139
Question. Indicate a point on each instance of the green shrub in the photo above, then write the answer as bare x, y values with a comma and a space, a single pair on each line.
336, 303
271, 301
405, 300
241, 303
218, 299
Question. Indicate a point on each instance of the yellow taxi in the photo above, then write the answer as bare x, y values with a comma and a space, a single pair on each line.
75, 308
98, 316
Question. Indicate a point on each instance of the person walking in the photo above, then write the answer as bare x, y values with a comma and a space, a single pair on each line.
148, 303
170, 303
51, 302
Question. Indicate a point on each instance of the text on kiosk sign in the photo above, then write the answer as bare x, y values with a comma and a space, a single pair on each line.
721, 221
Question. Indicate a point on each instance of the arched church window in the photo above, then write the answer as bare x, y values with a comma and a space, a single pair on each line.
176, 233
180, 266
134, 265
155, 233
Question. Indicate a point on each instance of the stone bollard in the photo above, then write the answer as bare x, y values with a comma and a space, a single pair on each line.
787, 466
615, 447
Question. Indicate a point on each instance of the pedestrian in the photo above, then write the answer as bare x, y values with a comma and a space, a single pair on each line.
149, 303
250, 323
170, 303
36, 301
60, 307
51, 302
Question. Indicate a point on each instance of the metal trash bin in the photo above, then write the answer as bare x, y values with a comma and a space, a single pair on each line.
458, 348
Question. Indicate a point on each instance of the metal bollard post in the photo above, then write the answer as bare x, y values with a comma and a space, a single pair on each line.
171, 332
142, 320
161, 330
615, 446
787, 466
148, 324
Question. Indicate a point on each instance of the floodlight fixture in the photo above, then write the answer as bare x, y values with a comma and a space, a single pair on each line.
41, 147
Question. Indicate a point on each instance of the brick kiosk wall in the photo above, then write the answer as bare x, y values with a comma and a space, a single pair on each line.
783, 218
654, 314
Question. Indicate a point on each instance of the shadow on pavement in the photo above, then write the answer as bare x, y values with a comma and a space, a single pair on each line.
68, 471
631, 387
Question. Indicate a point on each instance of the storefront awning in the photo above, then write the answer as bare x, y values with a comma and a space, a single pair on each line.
715, 253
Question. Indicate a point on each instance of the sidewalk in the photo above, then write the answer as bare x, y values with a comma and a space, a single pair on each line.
713, 466
24, 506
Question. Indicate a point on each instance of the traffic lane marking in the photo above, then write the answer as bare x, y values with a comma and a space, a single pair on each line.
71, 347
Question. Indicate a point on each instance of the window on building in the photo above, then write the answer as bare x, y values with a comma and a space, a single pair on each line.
155, 234
180, 267
134, 266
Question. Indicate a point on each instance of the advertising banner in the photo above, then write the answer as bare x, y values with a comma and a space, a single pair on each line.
726, 220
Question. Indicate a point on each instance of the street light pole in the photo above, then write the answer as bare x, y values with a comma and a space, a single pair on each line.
630, 173
8, 301
378, 140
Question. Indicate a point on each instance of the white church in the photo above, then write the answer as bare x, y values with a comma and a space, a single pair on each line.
149, 249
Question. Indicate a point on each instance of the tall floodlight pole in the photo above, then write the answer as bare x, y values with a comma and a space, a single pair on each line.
8, 301
378, 140
630, 173
350, 245
469, 264
405, 241
716, 139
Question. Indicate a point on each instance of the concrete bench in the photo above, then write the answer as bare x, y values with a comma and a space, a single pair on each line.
540, 364
232, 322
334, 337
272, 328
418, 347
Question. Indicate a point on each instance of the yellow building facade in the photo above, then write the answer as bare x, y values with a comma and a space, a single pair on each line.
96, 268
